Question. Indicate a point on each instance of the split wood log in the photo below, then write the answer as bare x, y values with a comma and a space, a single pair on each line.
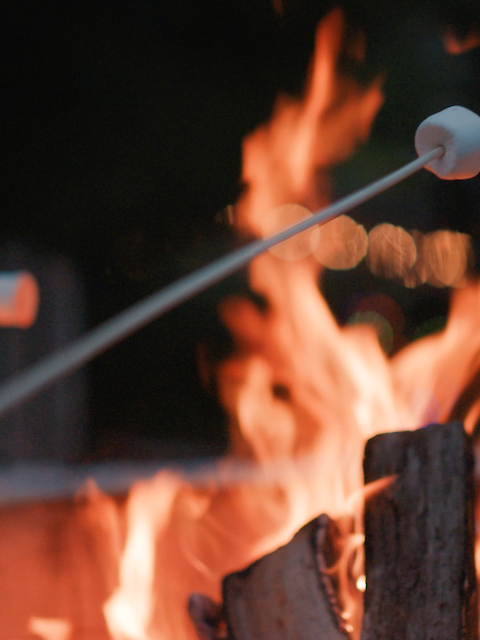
419, 533
285, 595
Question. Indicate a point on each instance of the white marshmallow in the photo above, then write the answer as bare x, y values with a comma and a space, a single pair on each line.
458, 130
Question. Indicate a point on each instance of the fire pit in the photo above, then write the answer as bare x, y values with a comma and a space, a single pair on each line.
302, 395
419, 539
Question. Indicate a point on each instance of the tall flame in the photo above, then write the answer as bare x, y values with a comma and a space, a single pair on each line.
302, 394
283, 159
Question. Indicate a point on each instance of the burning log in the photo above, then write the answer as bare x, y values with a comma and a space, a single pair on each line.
419, 536
285, 594
420, 568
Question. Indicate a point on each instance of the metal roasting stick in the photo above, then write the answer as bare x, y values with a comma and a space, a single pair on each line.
27, 383
26, 481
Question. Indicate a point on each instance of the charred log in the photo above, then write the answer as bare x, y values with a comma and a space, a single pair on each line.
286, 594
419, 537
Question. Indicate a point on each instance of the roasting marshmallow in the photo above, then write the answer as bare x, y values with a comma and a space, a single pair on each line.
457, 130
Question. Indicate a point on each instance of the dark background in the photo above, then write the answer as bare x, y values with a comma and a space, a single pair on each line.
121, 126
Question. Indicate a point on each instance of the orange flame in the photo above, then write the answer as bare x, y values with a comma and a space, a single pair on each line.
282, 160
302, 394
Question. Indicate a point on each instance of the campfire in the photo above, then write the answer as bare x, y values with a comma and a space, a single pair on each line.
303, 395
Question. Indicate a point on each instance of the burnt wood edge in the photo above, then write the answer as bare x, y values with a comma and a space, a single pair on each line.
208, 617
321, 535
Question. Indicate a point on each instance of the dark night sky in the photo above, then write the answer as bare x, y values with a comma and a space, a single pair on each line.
121, 127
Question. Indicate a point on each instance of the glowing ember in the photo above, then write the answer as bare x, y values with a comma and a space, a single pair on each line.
361, 583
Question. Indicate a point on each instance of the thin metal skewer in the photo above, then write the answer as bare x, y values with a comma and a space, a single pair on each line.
27, 383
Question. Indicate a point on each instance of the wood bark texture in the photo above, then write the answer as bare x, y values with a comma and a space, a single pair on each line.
419, 537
